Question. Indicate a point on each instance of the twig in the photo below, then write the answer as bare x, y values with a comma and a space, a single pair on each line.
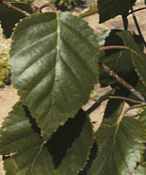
9, 5
99, 101
136, 10
138, 27
126, 99
123, 82
136, 107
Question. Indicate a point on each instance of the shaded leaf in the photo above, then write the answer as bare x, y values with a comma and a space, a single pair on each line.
138, 58
92, 157
10, 17
25, 153
111, 8
120, 147
54, 66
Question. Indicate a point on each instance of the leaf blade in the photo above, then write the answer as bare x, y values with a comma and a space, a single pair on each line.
47, 67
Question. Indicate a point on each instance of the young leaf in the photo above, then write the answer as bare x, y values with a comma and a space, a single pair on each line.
111, 8
9, 17
54, 59
120, 147
25, 153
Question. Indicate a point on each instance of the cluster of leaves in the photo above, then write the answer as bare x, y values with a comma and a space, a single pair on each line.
56, 59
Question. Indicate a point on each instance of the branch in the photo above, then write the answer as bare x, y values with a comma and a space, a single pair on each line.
99, 101
9, 5
136, 10
126, 99
138, 27
123, 82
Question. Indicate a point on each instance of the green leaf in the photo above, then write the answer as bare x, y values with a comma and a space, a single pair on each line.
25, 153
54, 59
115, 59
92, 157
111, 8
10, 17
137, 56
120, 147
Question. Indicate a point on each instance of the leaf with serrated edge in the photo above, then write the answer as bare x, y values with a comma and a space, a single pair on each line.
120, 148
53, 61
25, 152
10, 17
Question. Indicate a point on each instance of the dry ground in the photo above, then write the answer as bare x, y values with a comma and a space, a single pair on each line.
8, 95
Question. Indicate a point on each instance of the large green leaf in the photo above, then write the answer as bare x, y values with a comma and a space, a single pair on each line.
137, 56
54, 60
110, 8
10, 17
120, 147
25, 153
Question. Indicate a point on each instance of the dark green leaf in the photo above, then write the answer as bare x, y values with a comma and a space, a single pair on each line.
118, 60
110, 8
54, 60
120, 147
92, 157
137, 56
10, 17
25, 153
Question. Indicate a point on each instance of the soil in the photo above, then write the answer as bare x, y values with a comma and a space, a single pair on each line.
8, 95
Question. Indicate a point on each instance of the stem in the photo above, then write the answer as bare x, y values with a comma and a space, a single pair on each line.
104, 48
123, 82
99, 101
9, 5
138, 27
126, 99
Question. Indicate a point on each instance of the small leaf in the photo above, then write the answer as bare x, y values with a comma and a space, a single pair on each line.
10, 17
54, 59
120, 147
25, 153
109, 9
